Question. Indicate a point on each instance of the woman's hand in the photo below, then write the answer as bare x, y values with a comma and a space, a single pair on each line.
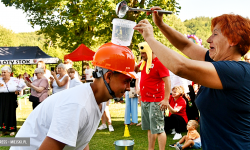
51, 79
27, 82
145, 28
157, 17
25, 75
53, 73
188, 97
17, 92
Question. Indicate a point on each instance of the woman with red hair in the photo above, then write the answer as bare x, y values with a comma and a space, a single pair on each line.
224, 98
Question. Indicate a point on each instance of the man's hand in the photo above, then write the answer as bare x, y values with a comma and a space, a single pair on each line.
145, 28
164, 104
138, 91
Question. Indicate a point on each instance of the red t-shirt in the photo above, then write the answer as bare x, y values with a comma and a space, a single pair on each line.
181, 103
152, 86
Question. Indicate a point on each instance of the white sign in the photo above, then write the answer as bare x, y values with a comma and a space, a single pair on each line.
28, 61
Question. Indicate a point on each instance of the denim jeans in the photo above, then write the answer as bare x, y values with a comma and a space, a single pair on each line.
131, 109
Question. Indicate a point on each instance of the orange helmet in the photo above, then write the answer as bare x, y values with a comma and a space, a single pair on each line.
116, 58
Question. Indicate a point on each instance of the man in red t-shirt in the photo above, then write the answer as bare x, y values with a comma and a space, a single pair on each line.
155, 91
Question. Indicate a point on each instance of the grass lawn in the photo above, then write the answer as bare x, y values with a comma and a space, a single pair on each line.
103, 140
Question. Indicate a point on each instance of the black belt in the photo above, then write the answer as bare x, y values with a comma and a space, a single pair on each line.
8, 93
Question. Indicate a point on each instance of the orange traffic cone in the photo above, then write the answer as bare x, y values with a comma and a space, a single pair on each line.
126, 131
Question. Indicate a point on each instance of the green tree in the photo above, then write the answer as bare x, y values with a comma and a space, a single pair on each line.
67, 24
7, 37
70, 23
174, 22
201, 27
30, 39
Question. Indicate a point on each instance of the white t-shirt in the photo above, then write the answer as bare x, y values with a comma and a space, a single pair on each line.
139, 78
198, 140
12, 85
71, 117
77, 76
56, 88
88, 73
179, 81
74, 82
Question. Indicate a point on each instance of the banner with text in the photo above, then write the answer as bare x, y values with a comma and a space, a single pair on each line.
28, 61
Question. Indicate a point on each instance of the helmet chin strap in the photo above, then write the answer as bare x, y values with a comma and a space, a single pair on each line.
99, 73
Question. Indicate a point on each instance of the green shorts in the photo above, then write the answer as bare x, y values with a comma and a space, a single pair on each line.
152, 117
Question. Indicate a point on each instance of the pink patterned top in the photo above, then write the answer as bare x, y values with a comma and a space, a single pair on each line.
40, 83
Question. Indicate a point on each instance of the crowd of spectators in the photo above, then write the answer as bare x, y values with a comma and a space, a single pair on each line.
41, 84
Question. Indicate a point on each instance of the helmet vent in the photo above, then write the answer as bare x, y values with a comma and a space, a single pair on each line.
107, 65
127, 69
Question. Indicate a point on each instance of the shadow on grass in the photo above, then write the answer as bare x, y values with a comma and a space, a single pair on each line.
104, 140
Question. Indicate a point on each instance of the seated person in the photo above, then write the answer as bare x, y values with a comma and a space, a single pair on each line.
73, 80
192, 139
177, 119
